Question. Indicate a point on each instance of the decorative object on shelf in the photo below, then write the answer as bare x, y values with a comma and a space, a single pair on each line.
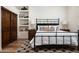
26, 16
23, 15
24, 8
23, 28
23, 21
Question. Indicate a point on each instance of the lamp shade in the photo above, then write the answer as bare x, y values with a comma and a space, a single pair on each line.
64, 24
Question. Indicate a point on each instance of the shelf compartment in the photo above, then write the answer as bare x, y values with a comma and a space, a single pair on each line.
24, 15
23, 28
23, 10
24, 22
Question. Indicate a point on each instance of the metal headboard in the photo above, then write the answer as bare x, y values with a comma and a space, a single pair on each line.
47, 22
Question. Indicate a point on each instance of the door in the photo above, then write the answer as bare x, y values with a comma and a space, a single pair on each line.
9, 27
5, 26
13, 27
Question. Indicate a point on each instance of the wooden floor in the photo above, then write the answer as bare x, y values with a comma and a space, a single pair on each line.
12, 48
22, 46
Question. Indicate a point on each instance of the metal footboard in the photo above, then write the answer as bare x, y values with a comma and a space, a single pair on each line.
56, 37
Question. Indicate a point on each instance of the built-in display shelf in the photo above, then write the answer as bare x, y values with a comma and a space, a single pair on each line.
23, 21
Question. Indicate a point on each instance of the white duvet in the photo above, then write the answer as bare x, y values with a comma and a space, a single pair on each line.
45, 40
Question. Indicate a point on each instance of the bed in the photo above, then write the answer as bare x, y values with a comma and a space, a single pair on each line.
48, 33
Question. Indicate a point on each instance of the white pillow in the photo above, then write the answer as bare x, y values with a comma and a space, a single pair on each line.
43, 28
51, 28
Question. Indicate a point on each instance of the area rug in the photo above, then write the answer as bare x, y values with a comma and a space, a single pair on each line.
26, 48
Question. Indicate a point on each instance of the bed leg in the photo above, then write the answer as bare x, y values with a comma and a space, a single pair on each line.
77, 48
34, 44
35, 49
78, 41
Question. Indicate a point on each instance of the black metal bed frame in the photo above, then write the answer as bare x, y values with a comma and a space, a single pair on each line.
57, 23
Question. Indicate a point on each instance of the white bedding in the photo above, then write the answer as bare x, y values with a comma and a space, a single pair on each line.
53, 39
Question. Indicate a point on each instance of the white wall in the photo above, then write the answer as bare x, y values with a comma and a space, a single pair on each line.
44, 12
11, 8
68, 14
73, 18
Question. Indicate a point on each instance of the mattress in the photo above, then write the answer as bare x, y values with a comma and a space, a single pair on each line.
45, 39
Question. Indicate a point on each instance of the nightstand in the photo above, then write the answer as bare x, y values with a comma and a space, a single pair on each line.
32, 33
65, 30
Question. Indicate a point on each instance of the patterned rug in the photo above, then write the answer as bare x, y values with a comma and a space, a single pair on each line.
26, 48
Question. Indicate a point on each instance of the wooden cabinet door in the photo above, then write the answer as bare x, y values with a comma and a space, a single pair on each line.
5, 26
13, 27
9, 27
